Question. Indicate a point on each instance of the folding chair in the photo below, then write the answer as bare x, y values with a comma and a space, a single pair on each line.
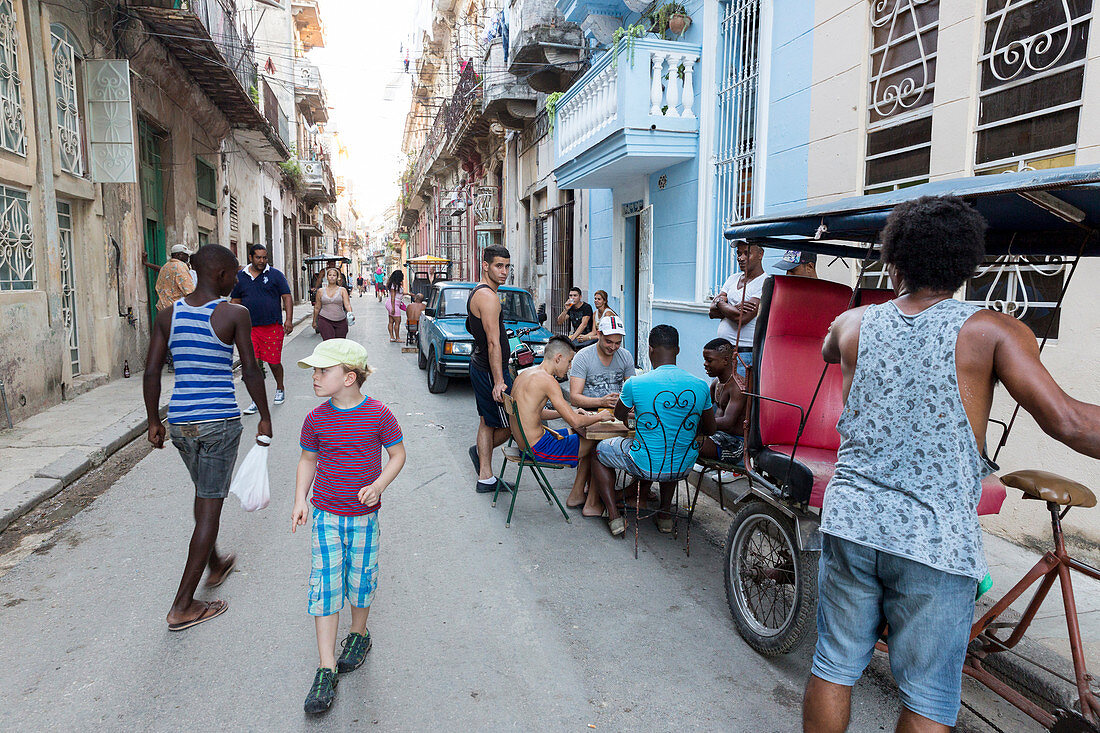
522, 454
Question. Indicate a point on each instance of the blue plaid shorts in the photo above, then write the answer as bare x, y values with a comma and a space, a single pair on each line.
345, 561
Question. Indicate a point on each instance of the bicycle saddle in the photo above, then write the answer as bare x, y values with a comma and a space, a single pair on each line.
1050, 487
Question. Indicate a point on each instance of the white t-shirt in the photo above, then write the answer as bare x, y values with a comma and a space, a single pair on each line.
727, 329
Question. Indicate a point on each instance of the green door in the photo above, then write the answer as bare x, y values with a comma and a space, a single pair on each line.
152, 205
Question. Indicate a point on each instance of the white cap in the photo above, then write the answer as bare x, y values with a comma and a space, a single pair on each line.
611, 326
180, 249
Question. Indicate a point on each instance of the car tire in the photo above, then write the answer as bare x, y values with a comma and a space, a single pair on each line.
437, 380
421, 360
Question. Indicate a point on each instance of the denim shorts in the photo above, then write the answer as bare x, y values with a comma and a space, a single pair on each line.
209, 450
615, 454
345, 561
491, 411
929, 614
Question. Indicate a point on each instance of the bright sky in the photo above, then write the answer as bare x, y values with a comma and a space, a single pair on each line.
362, 70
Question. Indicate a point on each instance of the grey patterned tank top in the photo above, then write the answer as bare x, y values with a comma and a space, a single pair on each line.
909, 471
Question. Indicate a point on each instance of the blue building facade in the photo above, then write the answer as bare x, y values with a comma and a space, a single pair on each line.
667, 140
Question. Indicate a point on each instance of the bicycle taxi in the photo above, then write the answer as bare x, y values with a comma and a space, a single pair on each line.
795, 401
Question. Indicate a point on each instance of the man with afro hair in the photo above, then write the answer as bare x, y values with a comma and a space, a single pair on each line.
901, 543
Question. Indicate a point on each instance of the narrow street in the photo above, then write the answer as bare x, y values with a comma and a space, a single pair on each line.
545, 625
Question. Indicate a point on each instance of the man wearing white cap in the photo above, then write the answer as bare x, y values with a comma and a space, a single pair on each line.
595, 381
174, 280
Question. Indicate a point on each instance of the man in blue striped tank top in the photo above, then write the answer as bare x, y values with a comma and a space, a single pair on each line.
901, 543
204, 421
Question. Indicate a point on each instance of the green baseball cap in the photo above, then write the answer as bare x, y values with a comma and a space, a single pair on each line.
336, 351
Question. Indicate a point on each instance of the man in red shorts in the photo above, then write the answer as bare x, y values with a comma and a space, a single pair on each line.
265, 292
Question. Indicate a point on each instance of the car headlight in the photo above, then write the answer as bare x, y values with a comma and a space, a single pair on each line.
459, 349
538, 348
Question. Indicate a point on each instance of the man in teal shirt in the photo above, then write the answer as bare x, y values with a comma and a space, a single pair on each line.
673, 410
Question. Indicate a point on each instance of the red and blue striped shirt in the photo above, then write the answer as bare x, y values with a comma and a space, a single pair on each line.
348, 444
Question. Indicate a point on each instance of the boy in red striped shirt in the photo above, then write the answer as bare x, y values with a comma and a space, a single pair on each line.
342, 443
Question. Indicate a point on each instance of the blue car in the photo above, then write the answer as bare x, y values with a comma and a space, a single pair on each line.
443, 343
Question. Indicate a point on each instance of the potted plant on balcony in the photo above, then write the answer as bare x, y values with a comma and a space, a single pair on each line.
670, 18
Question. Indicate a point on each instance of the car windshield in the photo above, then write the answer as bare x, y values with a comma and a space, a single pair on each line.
517, 305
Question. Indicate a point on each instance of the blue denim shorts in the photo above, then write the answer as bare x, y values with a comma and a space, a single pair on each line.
209, 450
345, 561
615, 454
929, 614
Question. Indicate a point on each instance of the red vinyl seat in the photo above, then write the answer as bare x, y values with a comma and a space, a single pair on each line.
795, 316
874, 296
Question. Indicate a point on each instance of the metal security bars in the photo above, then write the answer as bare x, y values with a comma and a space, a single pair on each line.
1027, 288
70, 146
557, 224
16, 244
68, 282
13, 134
738, 77
1032, 71
904, 38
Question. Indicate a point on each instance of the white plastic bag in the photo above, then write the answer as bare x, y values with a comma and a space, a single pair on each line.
250, 484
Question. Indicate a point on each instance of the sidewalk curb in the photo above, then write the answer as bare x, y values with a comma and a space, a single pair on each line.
66, 470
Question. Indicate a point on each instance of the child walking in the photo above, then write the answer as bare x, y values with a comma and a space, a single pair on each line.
342, 442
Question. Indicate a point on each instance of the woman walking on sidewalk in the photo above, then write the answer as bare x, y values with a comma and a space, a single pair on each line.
395, 303
331, 307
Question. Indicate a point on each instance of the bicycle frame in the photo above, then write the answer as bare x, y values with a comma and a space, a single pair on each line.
1052, 566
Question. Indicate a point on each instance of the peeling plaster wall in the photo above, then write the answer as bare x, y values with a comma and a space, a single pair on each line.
34, 353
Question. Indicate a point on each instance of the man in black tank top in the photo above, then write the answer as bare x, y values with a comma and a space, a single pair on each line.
489, 362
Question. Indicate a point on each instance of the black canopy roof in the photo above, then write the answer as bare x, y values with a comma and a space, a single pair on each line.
1042, 212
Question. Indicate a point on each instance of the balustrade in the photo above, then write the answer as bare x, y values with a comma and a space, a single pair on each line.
651, 89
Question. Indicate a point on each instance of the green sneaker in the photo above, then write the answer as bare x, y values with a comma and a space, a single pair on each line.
323, 692
355, 651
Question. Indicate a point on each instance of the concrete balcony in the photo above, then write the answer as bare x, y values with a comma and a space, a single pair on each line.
309, 93
488, 212
202, 35
307, 19
575, 11
544, 48
318, 185
504, 96
630, 119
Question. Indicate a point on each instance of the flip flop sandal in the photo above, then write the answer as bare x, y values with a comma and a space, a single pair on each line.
617, 526
212, 610
212, 582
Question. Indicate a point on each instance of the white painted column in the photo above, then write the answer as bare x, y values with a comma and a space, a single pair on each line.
672, 88
655, 82
689, 86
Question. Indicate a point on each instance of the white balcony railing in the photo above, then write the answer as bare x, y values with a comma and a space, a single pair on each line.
654, 91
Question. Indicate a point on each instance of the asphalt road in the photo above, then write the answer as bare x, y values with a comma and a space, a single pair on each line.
543, 626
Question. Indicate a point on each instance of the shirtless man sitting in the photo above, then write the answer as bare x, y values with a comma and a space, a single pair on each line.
727, 444
413, 311
531, 391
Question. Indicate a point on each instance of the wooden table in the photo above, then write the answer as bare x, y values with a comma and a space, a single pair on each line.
608, 429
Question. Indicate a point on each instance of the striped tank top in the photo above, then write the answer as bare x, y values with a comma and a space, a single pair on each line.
203, 390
